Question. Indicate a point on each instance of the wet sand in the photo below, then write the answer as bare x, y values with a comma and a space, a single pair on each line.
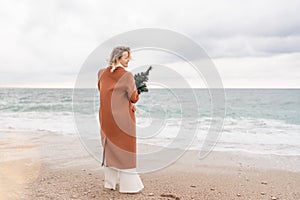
45, 165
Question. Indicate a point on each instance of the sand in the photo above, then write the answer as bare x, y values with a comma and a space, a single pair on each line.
45, 165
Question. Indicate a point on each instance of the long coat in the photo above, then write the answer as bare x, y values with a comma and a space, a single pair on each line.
118, 94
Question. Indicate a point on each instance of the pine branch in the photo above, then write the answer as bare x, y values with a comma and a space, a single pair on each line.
141, 79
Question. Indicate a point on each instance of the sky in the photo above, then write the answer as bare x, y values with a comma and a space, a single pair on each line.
253, 44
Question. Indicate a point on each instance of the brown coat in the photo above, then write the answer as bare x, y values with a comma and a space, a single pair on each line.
117, 117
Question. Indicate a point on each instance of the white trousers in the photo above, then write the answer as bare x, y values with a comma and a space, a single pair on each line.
128, 179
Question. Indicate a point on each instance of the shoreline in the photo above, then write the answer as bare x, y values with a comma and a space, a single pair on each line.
45, 165
28, 139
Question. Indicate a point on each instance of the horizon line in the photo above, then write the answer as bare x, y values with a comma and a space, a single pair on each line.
15, 87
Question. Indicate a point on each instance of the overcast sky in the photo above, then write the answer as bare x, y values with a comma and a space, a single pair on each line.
252, 43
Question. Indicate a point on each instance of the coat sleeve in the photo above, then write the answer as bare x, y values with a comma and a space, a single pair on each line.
100, 73
131, 90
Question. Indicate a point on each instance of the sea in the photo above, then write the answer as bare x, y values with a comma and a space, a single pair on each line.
259, 121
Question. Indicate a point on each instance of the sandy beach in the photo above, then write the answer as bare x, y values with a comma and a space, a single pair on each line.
46, 165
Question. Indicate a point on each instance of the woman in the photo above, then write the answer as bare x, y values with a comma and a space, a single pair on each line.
118, 94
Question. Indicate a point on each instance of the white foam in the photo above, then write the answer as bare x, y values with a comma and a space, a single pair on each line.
258, 135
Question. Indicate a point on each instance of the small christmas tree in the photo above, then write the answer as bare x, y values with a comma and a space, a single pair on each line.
141, 79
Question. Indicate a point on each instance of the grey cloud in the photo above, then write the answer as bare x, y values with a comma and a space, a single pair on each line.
56, 36
251, 46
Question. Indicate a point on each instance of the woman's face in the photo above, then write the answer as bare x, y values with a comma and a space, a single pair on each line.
125, 59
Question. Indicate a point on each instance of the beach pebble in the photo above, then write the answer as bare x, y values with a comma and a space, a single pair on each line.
150, 194
263, 193
193, 185
170, 195
238, 194
212, 189
273, 198
39, 195
264, 182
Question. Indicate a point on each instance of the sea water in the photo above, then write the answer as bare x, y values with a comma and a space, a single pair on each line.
263, 121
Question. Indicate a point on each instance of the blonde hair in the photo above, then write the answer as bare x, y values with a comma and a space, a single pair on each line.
116, 55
